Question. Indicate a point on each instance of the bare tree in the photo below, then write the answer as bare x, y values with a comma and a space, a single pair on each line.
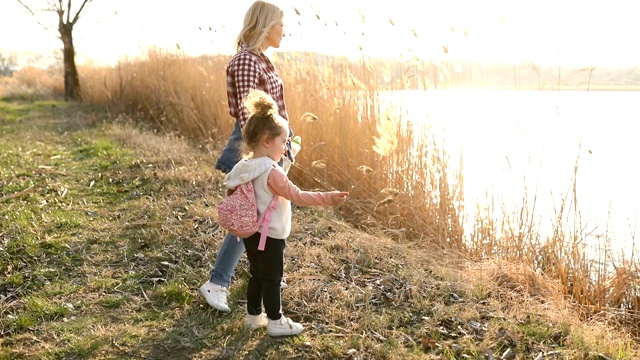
66, 22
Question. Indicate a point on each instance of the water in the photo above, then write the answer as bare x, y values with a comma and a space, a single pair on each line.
528, 143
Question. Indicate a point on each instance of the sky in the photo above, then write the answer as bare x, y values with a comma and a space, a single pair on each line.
544, 32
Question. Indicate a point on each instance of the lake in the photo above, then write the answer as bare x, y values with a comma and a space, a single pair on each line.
517, 144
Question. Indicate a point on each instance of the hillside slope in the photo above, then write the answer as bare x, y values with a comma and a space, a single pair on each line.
107, 231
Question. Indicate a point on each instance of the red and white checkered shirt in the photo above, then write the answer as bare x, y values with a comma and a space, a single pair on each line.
247, 71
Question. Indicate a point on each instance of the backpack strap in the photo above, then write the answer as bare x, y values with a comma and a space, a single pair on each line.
265, 219
264, 222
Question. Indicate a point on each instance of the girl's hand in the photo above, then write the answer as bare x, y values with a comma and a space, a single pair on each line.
339, 197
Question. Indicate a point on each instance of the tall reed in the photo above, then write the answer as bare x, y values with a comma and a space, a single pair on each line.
166, 90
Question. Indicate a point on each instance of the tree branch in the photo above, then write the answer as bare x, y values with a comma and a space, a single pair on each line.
68, 10
77, 16
34, 15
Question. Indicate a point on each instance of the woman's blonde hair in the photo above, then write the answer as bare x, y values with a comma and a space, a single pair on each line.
260, 17
264, 119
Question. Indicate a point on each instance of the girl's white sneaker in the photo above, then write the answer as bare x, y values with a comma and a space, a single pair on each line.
253, 322
283, 327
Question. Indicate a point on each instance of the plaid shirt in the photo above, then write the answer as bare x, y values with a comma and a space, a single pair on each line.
247, 71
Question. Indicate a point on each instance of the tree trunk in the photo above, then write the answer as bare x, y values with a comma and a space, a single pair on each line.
71, 80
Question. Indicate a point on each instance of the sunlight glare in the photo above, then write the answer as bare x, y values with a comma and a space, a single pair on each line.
544, 32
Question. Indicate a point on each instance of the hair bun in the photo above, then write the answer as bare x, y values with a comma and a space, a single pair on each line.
259, 103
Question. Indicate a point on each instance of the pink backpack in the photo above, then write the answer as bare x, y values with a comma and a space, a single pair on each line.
238, 213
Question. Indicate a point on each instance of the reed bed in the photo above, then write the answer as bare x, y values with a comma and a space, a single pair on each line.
33, 83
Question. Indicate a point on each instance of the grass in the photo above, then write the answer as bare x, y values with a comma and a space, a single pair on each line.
107, 230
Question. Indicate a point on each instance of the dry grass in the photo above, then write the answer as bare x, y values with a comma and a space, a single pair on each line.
33, 83
169, 92
110, 267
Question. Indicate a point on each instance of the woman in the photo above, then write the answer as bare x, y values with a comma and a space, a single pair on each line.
249, 69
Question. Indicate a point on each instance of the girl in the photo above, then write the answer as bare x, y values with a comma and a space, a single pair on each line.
249, 69
265, 135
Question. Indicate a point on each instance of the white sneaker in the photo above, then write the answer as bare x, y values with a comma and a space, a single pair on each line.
253, 322
216, 296
283, 327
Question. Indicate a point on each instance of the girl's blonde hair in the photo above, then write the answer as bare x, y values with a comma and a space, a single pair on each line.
264, 119
260, 17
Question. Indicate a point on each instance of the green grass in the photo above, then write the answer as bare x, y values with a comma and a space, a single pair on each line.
107, 233
10, 112
175, 293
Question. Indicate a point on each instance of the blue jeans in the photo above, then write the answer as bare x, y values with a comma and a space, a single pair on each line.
231, 153
228, 257
231, 250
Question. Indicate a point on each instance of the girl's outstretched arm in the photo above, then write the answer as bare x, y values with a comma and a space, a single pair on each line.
282, 186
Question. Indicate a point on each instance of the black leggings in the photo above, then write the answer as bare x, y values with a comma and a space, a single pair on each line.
266, 268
